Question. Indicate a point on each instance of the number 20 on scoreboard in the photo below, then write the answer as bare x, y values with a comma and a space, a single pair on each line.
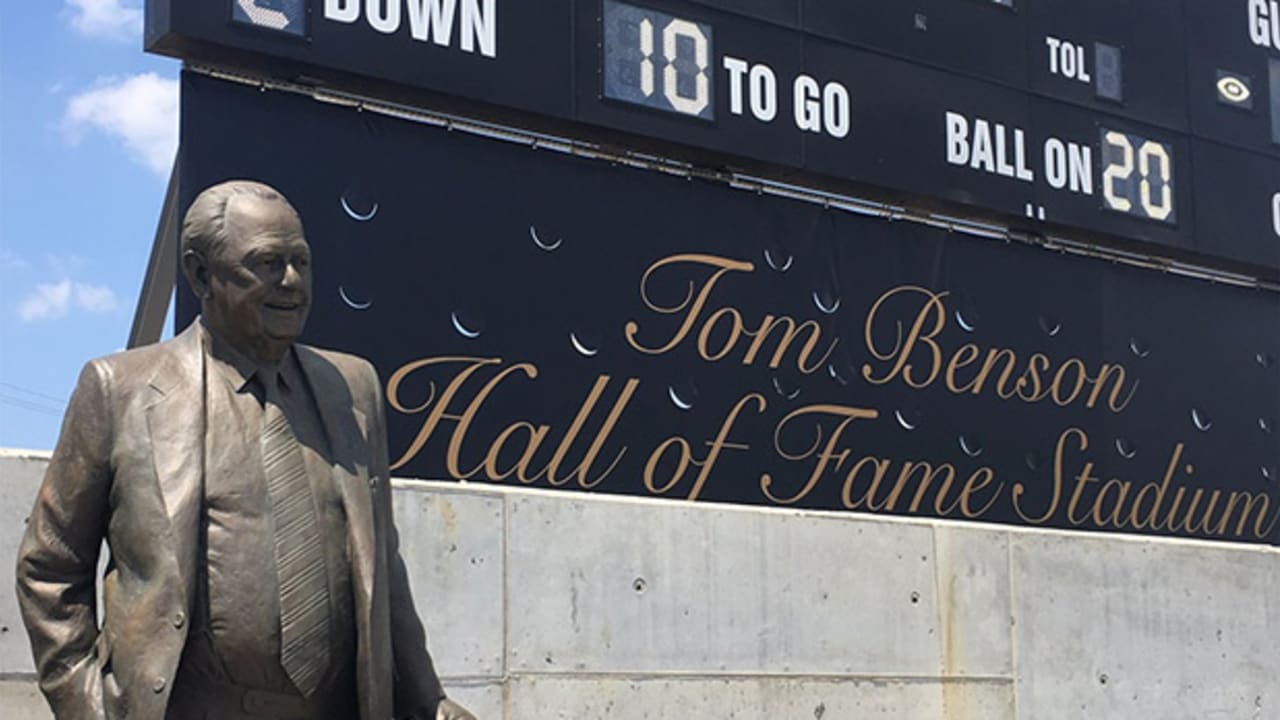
1137, 176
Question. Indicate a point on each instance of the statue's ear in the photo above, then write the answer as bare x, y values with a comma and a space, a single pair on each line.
196, 267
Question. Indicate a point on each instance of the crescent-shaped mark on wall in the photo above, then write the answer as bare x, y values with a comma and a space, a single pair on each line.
835, 374
582, 349
462, 329
768, 257
675, 400
791, 395
533, 233
964, 324
902, 420
353, 304
826, 309
358, 217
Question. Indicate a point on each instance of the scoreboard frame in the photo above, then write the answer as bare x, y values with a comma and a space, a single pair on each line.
855, 97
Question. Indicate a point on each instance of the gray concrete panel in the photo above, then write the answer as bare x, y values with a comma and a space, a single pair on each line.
1118, 628
20, 476
482, 698
21, 700
975, 613
451, 543
624, 586
550, 605
537, 697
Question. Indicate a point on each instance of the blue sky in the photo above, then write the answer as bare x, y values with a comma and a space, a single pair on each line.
88, 129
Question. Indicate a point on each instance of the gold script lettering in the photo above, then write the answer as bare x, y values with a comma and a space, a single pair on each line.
917, 358
726, 321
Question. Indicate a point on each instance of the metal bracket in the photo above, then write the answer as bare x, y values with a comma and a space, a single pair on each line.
162, 271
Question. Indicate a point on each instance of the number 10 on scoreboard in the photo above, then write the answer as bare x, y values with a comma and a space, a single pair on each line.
665, 63
657, 60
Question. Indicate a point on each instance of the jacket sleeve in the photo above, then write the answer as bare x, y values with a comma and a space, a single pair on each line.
58, 557
417, 689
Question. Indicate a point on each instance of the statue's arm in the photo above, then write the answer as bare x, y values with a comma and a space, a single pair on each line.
58, 557
417, 687
418, 692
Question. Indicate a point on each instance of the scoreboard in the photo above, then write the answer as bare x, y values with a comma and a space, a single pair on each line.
1156, 121
536, 220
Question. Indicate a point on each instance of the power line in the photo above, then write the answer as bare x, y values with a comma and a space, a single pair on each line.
27, 405
19, 388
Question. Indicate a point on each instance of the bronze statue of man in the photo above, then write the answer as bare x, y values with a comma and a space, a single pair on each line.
240, 481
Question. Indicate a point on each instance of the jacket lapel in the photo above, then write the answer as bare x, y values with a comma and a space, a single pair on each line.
347, 429
178, 452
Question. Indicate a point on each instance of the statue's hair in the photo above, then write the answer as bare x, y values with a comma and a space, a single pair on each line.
204, 229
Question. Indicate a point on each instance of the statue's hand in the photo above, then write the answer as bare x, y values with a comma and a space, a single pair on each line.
450, 710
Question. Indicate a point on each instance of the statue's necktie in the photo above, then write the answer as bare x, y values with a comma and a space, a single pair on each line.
300, 571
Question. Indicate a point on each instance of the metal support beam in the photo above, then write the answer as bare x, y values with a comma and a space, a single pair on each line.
162, 272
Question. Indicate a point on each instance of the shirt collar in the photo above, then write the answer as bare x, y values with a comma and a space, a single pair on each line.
239, 369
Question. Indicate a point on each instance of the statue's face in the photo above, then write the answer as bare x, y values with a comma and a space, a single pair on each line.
260, 280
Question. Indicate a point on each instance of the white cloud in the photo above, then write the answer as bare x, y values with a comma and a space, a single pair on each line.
114, 19
12, 261
50, 301
95, 298
140, 110
47, 302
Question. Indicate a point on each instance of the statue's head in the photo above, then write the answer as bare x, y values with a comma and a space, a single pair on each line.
245, 255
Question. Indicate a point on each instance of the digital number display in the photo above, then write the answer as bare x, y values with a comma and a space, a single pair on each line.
1137, 176
658, 61
1109, 61
1275, 101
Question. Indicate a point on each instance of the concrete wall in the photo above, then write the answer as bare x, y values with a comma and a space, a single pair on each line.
544, 605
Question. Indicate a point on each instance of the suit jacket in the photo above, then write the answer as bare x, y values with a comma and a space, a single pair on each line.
128, 468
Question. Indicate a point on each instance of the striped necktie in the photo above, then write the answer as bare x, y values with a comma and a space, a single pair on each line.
300, 570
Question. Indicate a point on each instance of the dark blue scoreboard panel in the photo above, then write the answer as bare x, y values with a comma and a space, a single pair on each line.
1156, 121
545, 319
